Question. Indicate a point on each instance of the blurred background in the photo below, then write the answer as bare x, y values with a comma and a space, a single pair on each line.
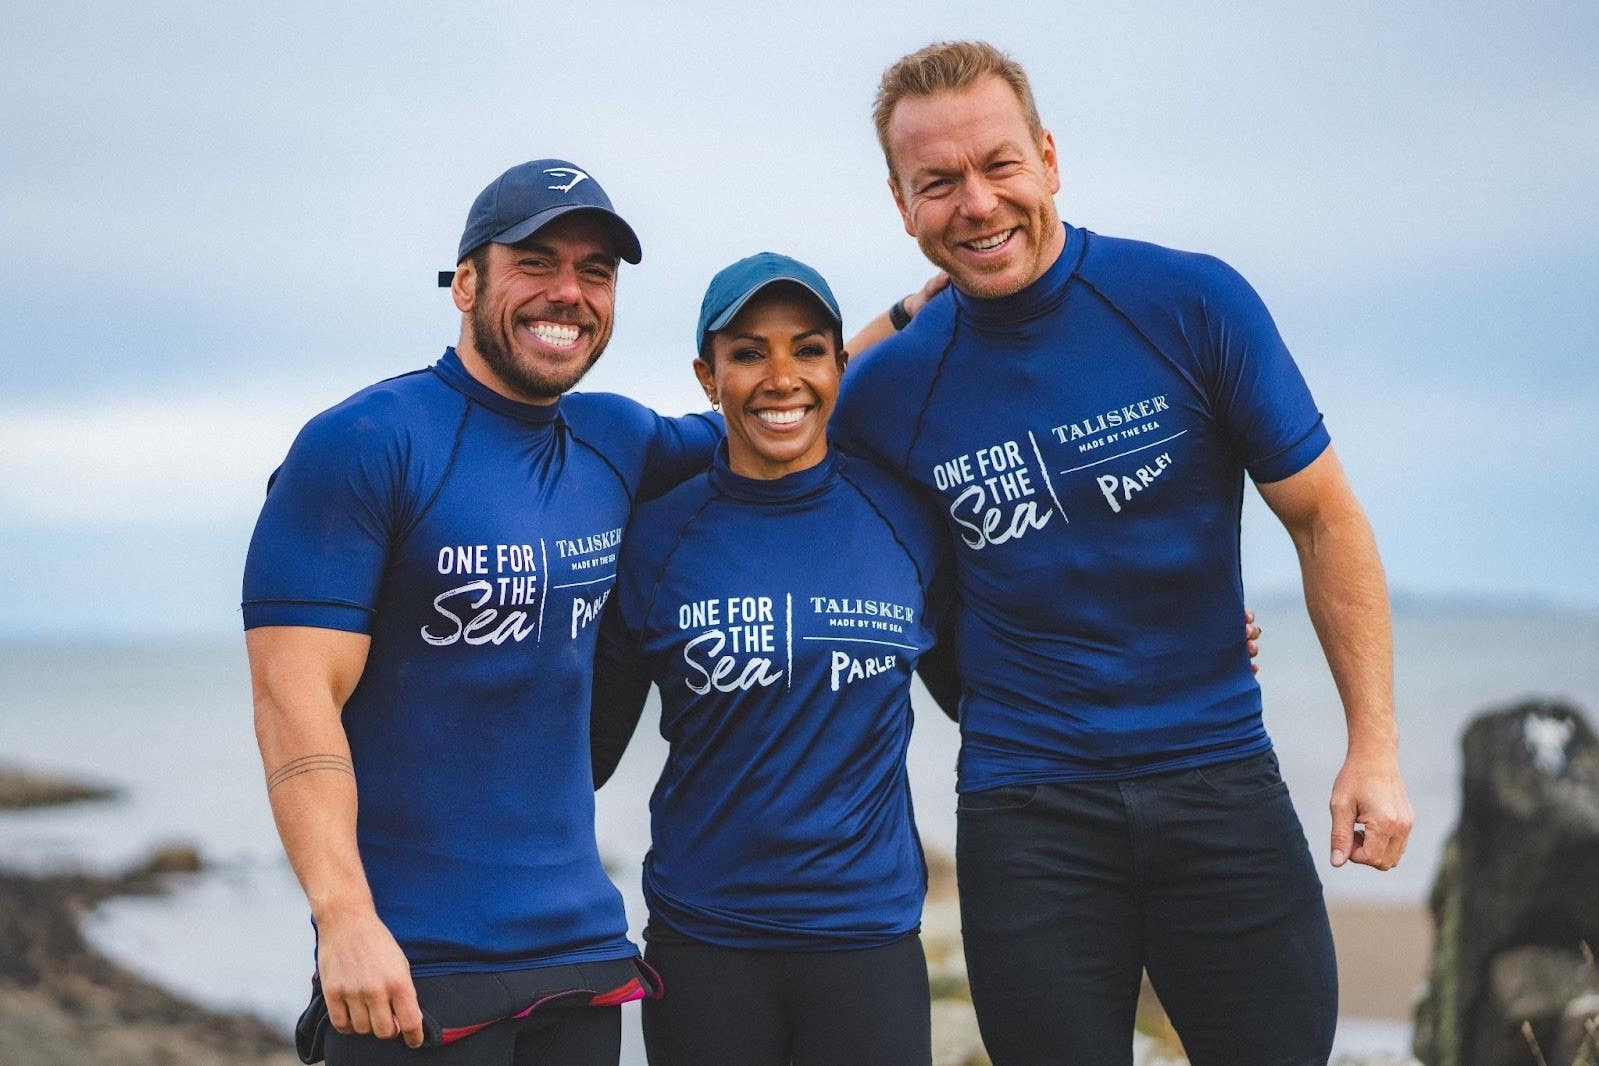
218, 221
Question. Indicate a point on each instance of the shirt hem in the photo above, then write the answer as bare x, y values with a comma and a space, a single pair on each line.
626, 950
729, 932
810, 942
981, 782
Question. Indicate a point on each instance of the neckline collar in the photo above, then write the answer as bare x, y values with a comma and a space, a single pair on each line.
454, 374
1038, 298
800, 485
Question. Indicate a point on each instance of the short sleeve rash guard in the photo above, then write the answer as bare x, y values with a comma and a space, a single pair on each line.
781, 621
475, 540
1086, 440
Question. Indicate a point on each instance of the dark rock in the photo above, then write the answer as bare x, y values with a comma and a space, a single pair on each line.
62, 1002
22, 790
1536, 982
1579, 1028
1517, 894
171, 859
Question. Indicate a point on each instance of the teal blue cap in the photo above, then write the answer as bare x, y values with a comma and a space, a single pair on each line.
733, 286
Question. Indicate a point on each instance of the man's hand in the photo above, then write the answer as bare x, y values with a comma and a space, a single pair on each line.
931, 288
1371, 813
366, 979
1251, 635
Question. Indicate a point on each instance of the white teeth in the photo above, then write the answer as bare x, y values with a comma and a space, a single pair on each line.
985, 243
555, 335
781, 418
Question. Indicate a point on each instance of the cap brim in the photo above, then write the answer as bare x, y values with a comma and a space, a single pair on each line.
627, 245
720, 322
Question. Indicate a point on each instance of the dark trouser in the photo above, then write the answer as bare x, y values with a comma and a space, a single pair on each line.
586, 1036
1202, 877
740, 1007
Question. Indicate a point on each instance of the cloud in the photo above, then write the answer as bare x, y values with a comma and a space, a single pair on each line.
178, 463
222, 219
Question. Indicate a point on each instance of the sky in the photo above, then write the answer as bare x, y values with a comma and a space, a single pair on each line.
217, 220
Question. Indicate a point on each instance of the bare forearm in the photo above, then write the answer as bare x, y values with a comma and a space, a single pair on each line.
300, 679
311, 786
1347, 597
1348, 601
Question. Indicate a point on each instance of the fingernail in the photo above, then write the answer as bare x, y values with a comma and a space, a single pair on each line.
1338, 857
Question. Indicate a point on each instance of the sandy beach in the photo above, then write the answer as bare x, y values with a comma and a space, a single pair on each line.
1382, 958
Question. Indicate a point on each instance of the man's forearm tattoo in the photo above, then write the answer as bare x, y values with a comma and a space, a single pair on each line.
305, 764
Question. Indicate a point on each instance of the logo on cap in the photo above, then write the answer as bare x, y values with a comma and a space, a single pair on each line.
577, 176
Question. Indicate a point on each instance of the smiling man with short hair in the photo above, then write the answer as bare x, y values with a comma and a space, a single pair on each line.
1083, 410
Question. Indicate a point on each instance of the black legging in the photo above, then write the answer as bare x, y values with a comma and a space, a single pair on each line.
739, 1007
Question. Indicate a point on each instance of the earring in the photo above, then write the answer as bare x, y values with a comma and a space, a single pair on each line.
715, 404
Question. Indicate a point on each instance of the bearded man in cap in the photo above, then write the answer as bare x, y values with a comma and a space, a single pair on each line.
420, 602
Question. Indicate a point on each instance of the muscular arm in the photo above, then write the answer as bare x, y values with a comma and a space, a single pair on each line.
1347, 597
300, 678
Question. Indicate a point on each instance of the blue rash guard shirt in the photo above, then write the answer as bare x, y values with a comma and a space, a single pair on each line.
781, 620
1086, 439
474, 539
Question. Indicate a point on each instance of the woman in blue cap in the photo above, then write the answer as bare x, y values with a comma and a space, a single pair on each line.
780, 602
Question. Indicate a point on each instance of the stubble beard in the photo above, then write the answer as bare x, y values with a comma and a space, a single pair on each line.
492, 345
1036, 231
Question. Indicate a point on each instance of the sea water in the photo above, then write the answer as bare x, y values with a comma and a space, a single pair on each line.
170, 726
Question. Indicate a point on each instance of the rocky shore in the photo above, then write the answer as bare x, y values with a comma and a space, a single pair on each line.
63, 1004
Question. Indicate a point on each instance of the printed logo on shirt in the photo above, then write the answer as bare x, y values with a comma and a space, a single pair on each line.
586, 553
1108, 427
844, 612
1002, 492
737, 645
591, 563
586, 610
504, 600
995, 495
1119, 489
747, 642
1126, 436
507, 588
867, 628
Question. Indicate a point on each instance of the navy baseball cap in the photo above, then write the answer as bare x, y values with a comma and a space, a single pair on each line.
530, 196
733, 286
